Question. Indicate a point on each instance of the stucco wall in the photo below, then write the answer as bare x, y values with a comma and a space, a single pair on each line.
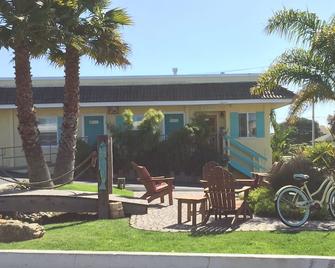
10, 137
260, 145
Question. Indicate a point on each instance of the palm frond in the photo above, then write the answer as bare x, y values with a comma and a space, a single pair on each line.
6, 8
296, 66
5, 37
324, 44
96, 34
118, 16
294, 24
311, 93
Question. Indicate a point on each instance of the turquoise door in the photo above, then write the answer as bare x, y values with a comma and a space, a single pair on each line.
173, 122
93, 126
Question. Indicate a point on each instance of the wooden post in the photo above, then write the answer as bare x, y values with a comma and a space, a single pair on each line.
103, 170
110, 165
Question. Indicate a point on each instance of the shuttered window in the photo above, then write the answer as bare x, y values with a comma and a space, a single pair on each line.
247, 124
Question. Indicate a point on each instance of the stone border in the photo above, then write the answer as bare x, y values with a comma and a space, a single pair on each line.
76, 259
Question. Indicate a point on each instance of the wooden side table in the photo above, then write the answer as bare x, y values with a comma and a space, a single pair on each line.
192, 202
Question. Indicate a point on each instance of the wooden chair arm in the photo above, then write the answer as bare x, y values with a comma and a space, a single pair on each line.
162, 179
158, 178
244, 189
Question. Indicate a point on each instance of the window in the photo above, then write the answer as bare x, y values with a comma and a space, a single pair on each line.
247, 124
48, 130
137, 119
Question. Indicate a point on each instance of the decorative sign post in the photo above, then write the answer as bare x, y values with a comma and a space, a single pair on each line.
104, 174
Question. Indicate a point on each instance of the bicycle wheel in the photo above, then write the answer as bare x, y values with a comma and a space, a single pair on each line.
331, 203
292, 206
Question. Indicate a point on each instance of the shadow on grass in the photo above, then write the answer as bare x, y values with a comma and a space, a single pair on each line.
69, 217
311, 226
65, 225
219, 226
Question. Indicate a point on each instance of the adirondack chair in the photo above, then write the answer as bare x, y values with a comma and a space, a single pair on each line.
207, 167
156, 187
221, 193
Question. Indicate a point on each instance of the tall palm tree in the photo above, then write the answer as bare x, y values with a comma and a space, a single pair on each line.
23, 28
86, 29
311, 67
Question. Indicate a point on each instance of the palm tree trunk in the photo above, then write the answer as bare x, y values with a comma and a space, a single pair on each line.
65, 160
28, 130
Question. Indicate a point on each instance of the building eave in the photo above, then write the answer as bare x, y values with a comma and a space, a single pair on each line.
282, 102
139, 80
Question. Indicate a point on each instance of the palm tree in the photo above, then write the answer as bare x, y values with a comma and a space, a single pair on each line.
87, 29
23, 28
311, 67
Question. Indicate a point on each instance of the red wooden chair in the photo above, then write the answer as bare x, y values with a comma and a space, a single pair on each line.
221, 193
207, 167
156, 187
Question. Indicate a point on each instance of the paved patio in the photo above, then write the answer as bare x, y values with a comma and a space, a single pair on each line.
163, 218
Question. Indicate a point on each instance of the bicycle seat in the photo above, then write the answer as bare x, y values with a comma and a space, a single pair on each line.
300, 177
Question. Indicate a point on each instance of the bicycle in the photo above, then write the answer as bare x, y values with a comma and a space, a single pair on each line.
294, 204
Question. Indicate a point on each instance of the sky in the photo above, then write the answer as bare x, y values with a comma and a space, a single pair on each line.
197, 37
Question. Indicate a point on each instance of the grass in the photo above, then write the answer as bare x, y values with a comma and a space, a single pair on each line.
116, 235
92, 187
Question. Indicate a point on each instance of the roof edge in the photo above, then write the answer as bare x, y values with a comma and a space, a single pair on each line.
139, 80
159, 103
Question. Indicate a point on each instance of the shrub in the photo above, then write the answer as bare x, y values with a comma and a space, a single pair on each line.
82, 152
320, 214
322, 154
280, 139
261, 201
189, 148
282, 173
136, 143
184, 151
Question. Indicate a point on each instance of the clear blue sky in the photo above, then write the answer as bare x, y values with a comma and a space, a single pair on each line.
198, 37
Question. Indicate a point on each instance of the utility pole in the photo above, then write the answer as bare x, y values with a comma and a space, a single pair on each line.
313, 124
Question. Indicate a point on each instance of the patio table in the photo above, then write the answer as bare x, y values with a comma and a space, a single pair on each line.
192, 202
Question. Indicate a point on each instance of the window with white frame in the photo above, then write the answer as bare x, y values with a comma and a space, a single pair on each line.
137, 119
48, 130
247, 124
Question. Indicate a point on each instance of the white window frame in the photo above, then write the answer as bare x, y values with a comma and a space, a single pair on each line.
57, 138
138, 122
248, 132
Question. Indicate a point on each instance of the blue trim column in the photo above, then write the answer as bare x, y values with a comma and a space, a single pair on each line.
234, 127
260, 125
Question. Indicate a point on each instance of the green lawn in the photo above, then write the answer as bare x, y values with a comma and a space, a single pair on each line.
116, 235
90, 187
